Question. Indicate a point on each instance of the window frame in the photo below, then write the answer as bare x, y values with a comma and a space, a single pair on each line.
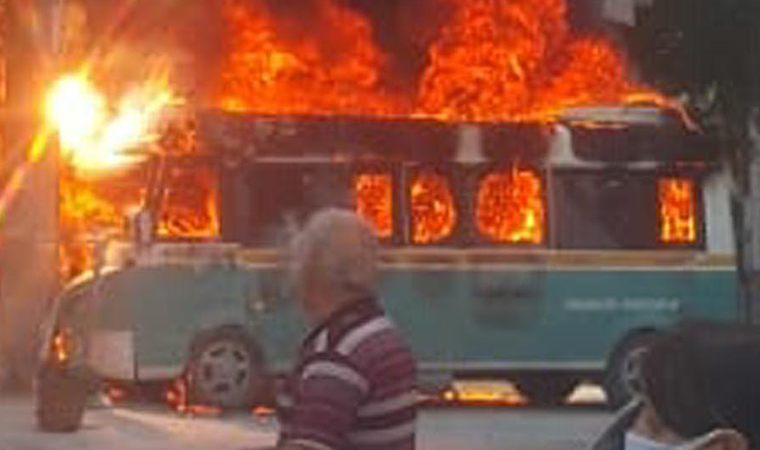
654, 175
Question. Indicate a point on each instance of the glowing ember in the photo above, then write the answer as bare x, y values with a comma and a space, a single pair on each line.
262, 411
189, 207
373, 200
62, 346
336, 72
678, 223
434, 213
177, 397
484, 393
510, 207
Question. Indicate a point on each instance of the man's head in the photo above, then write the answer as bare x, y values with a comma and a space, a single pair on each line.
333, 261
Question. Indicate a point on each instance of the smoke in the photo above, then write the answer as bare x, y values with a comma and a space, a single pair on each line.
404, 29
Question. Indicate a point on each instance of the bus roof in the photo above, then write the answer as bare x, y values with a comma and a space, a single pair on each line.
597, 135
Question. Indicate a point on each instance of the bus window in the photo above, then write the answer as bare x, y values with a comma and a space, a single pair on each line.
263, 202
433, 211
372, 196
189, 204
510, 207
678, 222
605, 210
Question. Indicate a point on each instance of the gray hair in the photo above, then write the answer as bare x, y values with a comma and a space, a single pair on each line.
338, 248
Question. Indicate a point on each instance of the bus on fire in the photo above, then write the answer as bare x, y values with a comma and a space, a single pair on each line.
544, 254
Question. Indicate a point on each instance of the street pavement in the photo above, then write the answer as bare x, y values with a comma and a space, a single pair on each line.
155, 427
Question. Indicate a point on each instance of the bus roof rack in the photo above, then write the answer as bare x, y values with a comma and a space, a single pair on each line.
622, 115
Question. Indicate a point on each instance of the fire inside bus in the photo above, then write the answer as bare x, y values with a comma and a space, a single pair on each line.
553, 258
528, 195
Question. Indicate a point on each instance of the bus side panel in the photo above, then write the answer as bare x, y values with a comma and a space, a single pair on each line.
472, 320
174, 304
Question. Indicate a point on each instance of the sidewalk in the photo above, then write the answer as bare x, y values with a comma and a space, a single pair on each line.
138, 428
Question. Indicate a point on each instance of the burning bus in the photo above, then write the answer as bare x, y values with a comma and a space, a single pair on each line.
529, 197
554, 259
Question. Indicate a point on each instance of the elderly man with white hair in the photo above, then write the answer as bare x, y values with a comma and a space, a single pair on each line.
353, 386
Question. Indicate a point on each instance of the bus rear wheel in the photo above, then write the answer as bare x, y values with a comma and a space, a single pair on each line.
546, 390
226, 370
622, 380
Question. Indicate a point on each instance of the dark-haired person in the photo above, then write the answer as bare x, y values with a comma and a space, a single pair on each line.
700, 392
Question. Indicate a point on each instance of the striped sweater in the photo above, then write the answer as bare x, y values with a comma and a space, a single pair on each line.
353, 386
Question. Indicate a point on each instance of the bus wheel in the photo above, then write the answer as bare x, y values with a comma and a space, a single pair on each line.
60, 399
546, 390
226, 370
622, 379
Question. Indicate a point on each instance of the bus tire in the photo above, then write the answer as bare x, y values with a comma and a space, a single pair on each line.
60, 400
226, 370
622, 375
546, 390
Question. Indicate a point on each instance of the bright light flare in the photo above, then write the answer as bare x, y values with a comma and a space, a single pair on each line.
96, 135
76, 109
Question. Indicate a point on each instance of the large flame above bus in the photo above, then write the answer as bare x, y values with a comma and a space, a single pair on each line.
496, 60
489, 61
266, 73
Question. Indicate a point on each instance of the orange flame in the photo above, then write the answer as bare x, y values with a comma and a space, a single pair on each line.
373, 200
678, 223
62, 346
177, 397
189, 207
268, 74
510, 207
434, 214
497, 60
92, 207
516, 60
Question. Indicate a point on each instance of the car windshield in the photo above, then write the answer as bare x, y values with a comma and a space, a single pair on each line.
370, 225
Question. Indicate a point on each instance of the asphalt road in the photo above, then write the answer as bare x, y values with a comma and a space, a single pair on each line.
154, 427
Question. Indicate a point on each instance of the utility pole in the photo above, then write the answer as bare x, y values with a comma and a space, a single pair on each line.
29, 224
